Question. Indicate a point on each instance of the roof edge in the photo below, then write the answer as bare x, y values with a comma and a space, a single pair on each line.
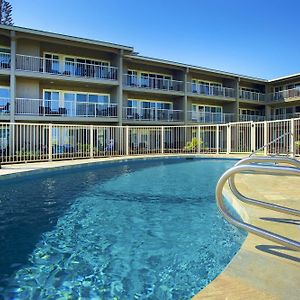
66, 37
199, 68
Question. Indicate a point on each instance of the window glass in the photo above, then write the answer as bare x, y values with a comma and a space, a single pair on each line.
4, 92
69, 96
81, 97
103, 99
93, 98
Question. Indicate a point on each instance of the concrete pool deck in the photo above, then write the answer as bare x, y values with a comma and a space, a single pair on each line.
261, 269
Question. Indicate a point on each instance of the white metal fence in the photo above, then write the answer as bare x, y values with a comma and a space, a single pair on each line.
25, 142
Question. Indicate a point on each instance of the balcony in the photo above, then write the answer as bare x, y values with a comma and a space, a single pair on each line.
286, 94
209, 117
285, 116
152, 114
4, 60
152, 83
252, 96
65, 68
210, 91
248, 118
43, 107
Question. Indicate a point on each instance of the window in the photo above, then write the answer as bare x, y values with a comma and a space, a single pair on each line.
51, 102
4, 99
149, 80
149, 110
52, 63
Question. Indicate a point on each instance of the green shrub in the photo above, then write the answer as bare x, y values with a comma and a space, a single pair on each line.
193, 145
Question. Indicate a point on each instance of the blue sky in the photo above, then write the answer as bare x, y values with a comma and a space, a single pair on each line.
252, 37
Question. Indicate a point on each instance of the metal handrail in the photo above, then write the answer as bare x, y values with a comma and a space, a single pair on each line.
271, 170
270, 143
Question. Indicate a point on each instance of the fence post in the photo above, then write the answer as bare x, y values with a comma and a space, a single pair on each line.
91, 141
126, 140
265, 137
292, 137
50, 142
228, 139
253, 137
162, 139
199, 139
217, 139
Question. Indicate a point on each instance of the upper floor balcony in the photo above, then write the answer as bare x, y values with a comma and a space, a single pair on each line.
252, 96
210, 90
152, 114
63, 108
210, 117
284, 116
66, 68
149, 83
288, 94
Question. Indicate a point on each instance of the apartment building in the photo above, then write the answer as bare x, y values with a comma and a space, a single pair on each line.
54, 78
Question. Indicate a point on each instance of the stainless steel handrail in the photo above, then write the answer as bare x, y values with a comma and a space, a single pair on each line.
271, 170
270, 143
264, 159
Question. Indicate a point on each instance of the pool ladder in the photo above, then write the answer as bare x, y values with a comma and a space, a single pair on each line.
253, 165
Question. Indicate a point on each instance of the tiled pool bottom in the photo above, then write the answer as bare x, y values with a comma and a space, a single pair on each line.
136, 230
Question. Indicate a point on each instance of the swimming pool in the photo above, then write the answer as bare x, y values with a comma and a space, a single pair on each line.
145, 229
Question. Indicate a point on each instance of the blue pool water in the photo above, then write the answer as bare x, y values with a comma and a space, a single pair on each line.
144, 229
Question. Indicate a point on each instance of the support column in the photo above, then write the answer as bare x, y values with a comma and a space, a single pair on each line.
12, 85
185, 105
13, 46
237, 100
120, 88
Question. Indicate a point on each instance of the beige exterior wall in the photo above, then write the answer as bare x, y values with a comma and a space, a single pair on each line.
31, 85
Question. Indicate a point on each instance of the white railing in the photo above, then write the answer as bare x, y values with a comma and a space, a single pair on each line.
208, 90
4, 106
209, 117
65, 68
152, 114
252, 96
286, 94
152, 83
254, 118
4, 60
43, 107
285, 116
20, 142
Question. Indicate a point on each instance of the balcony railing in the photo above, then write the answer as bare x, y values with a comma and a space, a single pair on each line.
43, 107
65, 68
207, 90
286, 94
4, 106
252, 96
152, 83
209, 117
254, 118
4, 60
152, 114
285, 116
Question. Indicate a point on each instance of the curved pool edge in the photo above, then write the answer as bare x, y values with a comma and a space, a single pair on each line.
233, 282
260, 269
21, 168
